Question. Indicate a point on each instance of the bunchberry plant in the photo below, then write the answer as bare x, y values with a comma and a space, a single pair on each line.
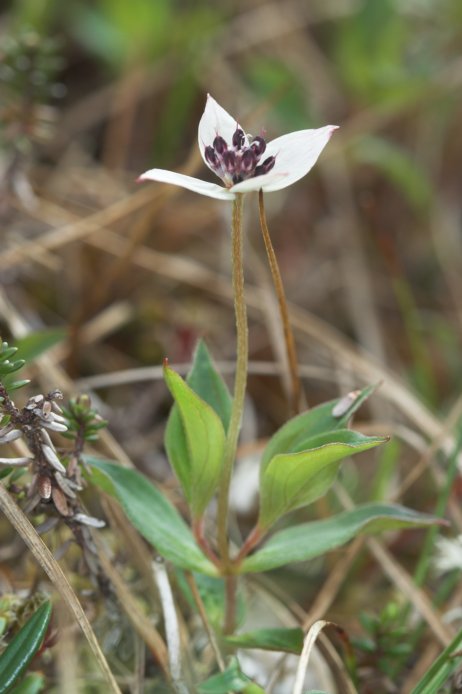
301, 460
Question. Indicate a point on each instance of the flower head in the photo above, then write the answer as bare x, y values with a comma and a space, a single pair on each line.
245, 163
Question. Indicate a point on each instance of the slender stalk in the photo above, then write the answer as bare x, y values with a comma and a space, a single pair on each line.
279, 288
205, 620
239, 381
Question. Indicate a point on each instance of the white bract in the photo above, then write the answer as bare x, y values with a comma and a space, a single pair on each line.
245, 163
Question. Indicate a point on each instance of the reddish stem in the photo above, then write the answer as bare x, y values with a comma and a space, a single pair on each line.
198, 531
253, 539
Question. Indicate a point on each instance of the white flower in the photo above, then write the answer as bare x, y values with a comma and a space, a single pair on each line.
243, 162
448, 554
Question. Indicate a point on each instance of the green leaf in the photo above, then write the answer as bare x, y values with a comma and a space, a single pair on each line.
9, 367
33, 345
441, 669
195, 442
151, 514
318, 420
208, 384
15, 385
31, 684
22, 648
27, 349
309, 540
232, 679
287, 640
5, 351
296, 479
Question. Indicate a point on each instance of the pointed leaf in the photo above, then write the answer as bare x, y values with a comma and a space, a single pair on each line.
310, 540
22, 648
296, 479
208, 384
33, 345
439, 672
287, 640
196, 456
232, 679
328, 416
15, 385
8, 367
151, 514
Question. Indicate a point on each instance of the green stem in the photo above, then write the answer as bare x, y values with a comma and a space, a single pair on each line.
279, 288
230, 613
239, 381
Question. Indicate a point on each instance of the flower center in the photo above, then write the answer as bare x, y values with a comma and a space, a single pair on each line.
237, 162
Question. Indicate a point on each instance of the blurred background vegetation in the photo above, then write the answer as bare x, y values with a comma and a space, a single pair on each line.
92, 93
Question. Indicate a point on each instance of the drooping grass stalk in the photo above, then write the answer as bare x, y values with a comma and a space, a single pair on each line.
240, 380
279, 288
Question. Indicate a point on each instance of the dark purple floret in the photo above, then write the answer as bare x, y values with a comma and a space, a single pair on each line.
238, 138
229, 160
248, 160
265, 167
211, 156
220, 145
258, 145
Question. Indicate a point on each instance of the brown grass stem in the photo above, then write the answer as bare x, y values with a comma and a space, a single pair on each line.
205, 620
283, 309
